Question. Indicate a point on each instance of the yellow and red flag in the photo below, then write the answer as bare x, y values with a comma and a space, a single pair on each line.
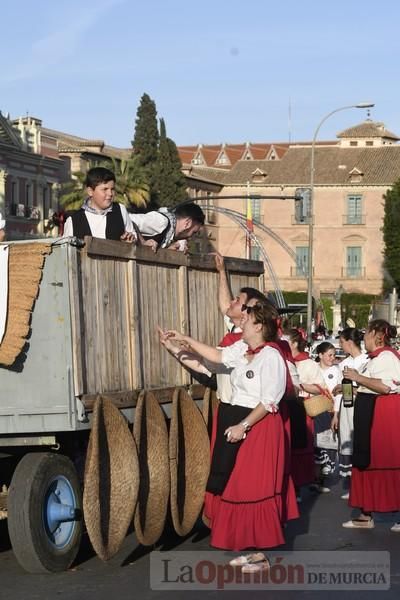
249, 216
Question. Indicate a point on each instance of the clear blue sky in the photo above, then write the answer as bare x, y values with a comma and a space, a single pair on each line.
218, 70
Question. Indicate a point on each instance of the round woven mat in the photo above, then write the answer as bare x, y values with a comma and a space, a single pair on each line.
151, 436
111, 479
189, 454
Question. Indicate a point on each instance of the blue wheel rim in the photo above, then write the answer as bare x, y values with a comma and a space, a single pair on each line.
60, 512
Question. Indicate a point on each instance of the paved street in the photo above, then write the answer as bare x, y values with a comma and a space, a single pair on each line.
126, 576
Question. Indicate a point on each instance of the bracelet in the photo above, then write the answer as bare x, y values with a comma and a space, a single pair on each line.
246, 425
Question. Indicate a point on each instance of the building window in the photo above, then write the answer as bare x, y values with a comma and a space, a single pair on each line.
354, 210
301, 261
353, 261
302, 206
353, 143
256, 209
14, 192
28, 194
46, 202
369, 143
223, 160
255, 253
209, 208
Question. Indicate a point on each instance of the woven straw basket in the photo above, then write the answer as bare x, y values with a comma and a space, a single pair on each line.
189, 455
111, 479
151, 436
316, 405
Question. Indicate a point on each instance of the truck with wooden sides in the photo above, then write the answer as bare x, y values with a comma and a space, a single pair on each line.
92, 330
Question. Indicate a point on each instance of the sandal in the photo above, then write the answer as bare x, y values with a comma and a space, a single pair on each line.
247, 559
258, 567
359, 524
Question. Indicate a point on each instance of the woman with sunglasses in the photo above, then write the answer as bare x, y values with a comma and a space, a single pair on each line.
375, 481
244, 491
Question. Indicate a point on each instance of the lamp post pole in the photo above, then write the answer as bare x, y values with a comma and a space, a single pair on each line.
311, 212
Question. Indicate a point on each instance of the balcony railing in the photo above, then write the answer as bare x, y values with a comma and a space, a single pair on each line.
353, 219
25, 212
304, 221
353, 272
296, 271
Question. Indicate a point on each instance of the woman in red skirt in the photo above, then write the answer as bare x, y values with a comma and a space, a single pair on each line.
244, 492
375, 484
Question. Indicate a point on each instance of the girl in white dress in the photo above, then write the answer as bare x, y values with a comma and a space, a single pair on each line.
326, 441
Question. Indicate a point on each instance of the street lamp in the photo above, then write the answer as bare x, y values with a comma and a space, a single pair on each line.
311, 212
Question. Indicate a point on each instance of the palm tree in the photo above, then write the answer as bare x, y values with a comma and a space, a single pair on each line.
131, 186
72, 192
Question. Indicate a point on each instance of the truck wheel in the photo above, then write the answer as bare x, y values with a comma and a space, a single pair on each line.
45, 512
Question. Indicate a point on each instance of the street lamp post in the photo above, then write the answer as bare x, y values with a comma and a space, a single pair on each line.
311, 212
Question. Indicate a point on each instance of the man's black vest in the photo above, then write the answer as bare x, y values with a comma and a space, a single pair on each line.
114, 223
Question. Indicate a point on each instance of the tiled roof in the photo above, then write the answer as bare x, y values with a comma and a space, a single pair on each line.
368, 129
209, 174
379, 166
234, 152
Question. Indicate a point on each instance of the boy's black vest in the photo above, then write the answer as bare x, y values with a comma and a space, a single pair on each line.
114, 223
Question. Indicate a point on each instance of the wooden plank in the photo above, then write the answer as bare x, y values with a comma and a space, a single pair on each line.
183, 313
111, 248
128, 399
127, 251
132, 300
207, 262
77, 329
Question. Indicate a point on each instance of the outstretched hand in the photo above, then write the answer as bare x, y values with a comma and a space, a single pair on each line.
165, 340
172, 340
177, 337
219, 261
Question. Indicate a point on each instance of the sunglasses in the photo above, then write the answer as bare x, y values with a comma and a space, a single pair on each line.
248, 309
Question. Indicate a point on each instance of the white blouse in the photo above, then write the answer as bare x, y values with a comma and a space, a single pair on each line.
309, 372
263, 379
386, 367
356, 362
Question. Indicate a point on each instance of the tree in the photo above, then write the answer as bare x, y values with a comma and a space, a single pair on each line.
171, 185
391, 238
145, 142
72, 192
131, 186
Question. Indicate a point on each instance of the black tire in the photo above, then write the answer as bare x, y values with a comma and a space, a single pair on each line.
38, 483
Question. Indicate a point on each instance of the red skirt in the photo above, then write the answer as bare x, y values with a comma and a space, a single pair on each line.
250, 511
302, 459
377, 488
290, 509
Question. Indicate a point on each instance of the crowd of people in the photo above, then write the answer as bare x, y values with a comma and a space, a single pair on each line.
265, 447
